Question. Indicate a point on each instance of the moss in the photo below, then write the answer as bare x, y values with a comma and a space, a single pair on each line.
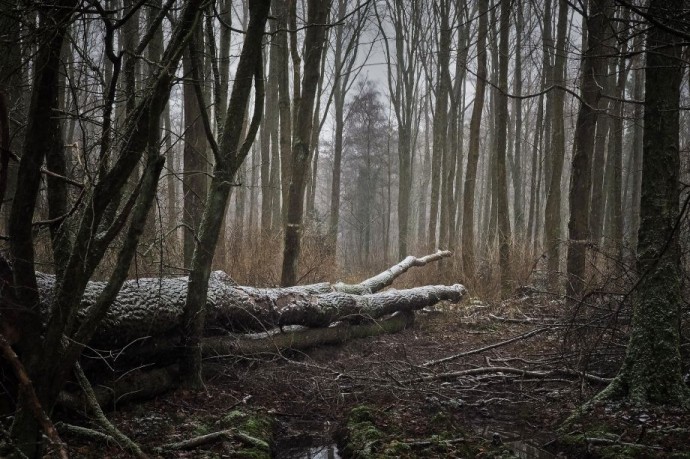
397, 448
200, 428
254, 430
362, 436
370, 433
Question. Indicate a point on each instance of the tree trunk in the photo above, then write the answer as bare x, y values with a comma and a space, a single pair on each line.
195, 180
637, 146
518, 188
593, 66
442, 176
651, 372
269, 125
230, 155
304, 113
284, 104
504, 232
155, 308
11, 83
552, 214
614, 167
469, 208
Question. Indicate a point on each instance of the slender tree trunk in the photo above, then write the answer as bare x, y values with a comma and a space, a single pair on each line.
441, 167
269, 125
518, 187
284, 104
459, 123
535, 174
504, 231
637, 145
422, 222
593, 67
469, 209
614, 202
230, 155
552, 220
195, 179
304, 113
11, 83
597, 202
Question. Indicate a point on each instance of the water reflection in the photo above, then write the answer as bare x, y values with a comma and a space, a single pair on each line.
310, 452
525, 450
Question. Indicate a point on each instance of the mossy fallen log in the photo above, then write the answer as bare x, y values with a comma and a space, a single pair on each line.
148, 381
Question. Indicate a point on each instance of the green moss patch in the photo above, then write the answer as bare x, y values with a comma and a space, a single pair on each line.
373, 433
253, 430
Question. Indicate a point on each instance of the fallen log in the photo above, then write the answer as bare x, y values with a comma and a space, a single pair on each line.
153, 307
146, 382
140, 330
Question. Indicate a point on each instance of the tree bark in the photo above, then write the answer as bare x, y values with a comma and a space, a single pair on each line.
504, 231
593, 66
230, 155
304, 113
651, 372
552, 214
195, 180
469, 208
154, 308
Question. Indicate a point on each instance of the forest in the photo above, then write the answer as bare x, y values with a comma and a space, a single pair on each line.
332, 228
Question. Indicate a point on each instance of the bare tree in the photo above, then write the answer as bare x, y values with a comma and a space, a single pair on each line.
229, 154
346, 52
552, 214
440, 162
593, 66
504, 231
302, 127
469, 209
403, 65
651, 372
50, 353
195, 178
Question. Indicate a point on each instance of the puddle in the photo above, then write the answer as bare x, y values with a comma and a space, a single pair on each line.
521, 447
310, 452
526, 450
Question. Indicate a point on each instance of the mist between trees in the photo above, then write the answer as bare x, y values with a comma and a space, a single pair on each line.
324, 137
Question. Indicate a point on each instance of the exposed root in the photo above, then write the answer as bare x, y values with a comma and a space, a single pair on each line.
101, 418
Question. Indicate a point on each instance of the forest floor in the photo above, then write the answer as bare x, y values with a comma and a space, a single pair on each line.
386, 396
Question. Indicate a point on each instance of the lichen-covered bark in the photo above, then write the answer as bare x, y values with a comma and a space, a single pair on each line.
154, 306
651, 372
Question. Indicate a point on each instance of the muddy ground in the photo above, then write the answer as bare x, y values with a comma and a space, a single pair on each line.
385, 397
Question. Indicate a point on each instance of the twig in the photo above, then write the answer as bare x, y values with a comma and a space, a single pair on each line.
508, 370
606, 441
425, 443
27, 389
214, 437
485, 348
528, 320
